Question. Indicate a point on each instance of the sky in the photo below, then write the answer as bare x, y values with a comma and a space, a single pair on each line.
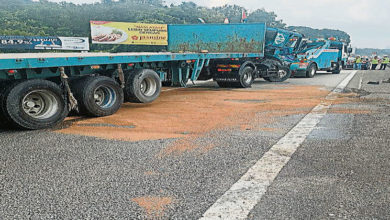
367, 21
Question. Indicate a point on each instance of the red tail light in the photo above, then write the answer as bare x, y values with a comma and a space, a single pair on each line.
224, 70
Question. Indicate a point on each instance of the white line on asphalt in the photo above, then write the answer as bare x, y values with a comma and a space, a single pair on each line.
242, 197
360, 81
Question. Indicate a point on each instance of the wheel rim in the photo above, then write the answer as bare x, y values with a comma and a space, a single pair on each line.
104, 96
148, 86
40, 104
247, 77
282, 73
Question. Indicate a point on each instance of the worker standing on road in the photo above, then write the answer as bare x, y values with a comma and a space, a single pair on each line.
374, 62
385, 61
358, 63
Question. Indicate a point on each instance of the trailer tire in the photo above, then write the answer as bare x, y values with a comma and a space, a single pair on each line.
142, 86
284, 74
5, 121
33, 104
311, 71
246, 77
98, 96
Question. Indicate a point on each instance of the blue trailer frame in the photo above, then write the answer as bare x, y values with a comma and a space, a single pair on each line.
40, 62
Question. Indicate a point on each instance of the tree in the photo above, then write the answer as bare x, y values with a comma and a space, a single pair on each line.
47, 18
233, 12
321, 33
260, 15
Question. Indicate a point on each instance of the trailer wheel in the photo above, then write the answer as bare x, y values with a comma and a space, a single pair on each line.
246, 77
98, 96
33, 104
142, 86
284, 73
311, 71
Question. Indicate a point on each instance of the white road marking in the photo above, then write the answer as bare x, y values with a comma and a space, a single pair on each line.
242, 197
360, 82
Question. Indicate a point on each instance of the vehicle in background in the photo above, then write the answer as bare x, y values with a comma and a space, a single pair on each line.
350, 65
366, 63
319, 55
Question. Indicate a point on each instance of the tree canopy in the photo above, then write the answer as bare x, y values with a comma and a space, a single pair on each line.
44, 18
321, 33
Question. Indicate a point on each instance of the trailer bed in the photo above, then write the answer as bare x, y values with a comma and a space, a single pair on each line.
46, 60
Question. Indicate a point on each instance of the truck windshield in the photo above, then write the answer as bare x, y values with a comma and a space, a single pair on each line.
336, 46
270, 36
308, 46
293, 42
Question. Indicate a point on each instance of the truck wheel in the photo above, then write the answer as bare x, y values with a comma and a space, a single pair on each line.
245, 77
338, 69
98, 96
5, 121
283, 74
311, 71
33, 104
142, 86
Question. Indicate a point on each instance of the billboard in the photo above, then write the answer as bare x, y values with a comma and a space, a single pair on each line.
105, 32
44, 43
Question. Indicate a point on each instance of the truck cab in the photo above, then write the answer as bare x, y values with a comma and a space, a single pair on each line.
282, 44
279, 52
319, 55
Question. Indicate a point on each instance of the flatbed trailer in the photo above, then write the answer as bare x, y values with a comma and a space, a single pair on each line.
38, 90
46, 60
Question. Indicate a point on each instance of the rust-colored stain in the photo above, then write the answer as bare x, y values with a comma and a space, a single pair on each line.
154, 206
188, 144
194, 112
151, 173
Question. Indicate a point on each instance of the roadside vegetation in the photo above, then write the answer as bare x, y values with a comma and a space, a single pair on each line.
44, 18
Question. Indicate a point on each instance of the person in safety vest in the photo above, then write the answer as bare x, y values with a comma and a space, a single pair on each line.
374, 62
385, 61
358, 63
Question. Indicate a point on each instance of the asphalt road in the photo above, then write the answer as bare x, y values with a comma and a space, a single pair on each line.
175, 158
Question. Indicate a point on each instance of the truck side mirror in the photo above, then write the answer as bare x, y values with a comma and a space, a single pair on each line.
350, 50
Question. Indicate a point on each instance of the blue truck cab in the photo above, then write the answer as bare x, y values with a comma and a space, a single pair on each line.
319, 55
280, 51
282, 44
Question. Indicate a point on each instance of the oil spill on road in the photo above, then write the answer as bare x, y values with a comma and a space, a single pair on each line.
154, 206
188, 114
